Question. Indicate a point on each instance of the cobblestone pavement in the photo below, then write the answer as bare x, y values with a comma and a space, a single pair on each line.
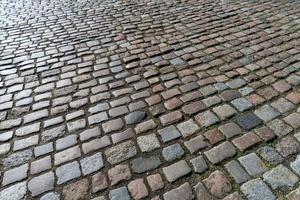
155, 99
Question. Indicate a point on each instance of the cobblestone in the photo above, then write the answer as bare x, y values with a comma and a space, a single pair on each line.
253, 164
280, 178
220, 152
218, 184
183, 192
256, 189
149, 99
176, 170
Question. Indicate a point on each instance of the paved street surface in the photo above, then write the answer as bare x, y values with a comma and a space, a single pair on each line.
149, 99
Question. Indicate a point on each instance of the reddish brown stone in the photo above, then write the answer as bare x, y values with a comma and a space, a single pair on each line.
265, 133
155, 99
173, 103
218, 184
246, 141
119, 173
171, 117
99, 182
268, 93
214, 136
233, 196
155, 182
76, 191
193, 107
138, 189
255, 99
288, 146
112, 125
294, 97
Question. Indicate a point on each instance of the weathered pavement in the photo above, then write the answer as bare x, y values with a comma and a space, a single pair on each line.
156, 99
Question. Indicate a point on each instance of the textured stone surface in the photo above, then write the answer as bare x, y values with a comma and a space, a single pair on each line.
91, 164
146, 99
120, 152
119, 194
138, 189
14, 192
253, 164
42, 183
119, 173
256, 189
172, 152
183, 192
280, 178
220, 152
76, 190
176, 170
143, 164
218, 184
237, 172
199, 164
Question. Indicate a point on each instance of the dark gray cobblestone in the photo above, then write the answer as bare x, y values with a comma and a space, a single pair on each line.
152, 99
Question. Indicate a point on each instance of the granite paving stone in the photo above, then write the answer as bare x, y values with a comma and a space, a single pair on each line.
288, 146
256, 189
91, 163
201, 192
67, 172
143, 164
169, 133
42, 183
138, 189
148, 143
295, 165
155, 182
183, 192
172, 152
270, 155
253, 164
160, 100
280, 178
119, 194
248, 121
119, 173
218, 184
279, 127
266, 113
199, 164
220, 152
176, 170
237, 172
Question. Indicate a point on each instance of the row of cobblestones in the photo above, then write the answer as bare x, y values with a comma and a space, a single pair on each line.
152, 99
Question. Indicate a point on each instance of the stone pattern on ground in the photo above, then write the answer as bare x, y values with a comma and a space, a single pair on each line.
159, 100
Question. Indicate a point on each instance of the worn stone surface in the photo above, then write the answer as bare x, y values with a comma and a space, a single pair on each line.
42, 183
76, 190
183, 192
119, 194
138, 189
120, 152
256, 189
14, 192
220, 152
253, 164
218, 184
119, 173
145, 99
173, 152
143, 164
176, 170
280, 178
237, 172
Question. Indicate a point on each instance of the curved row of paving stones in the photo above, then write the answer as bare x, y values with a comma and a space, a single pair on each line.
149, 100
